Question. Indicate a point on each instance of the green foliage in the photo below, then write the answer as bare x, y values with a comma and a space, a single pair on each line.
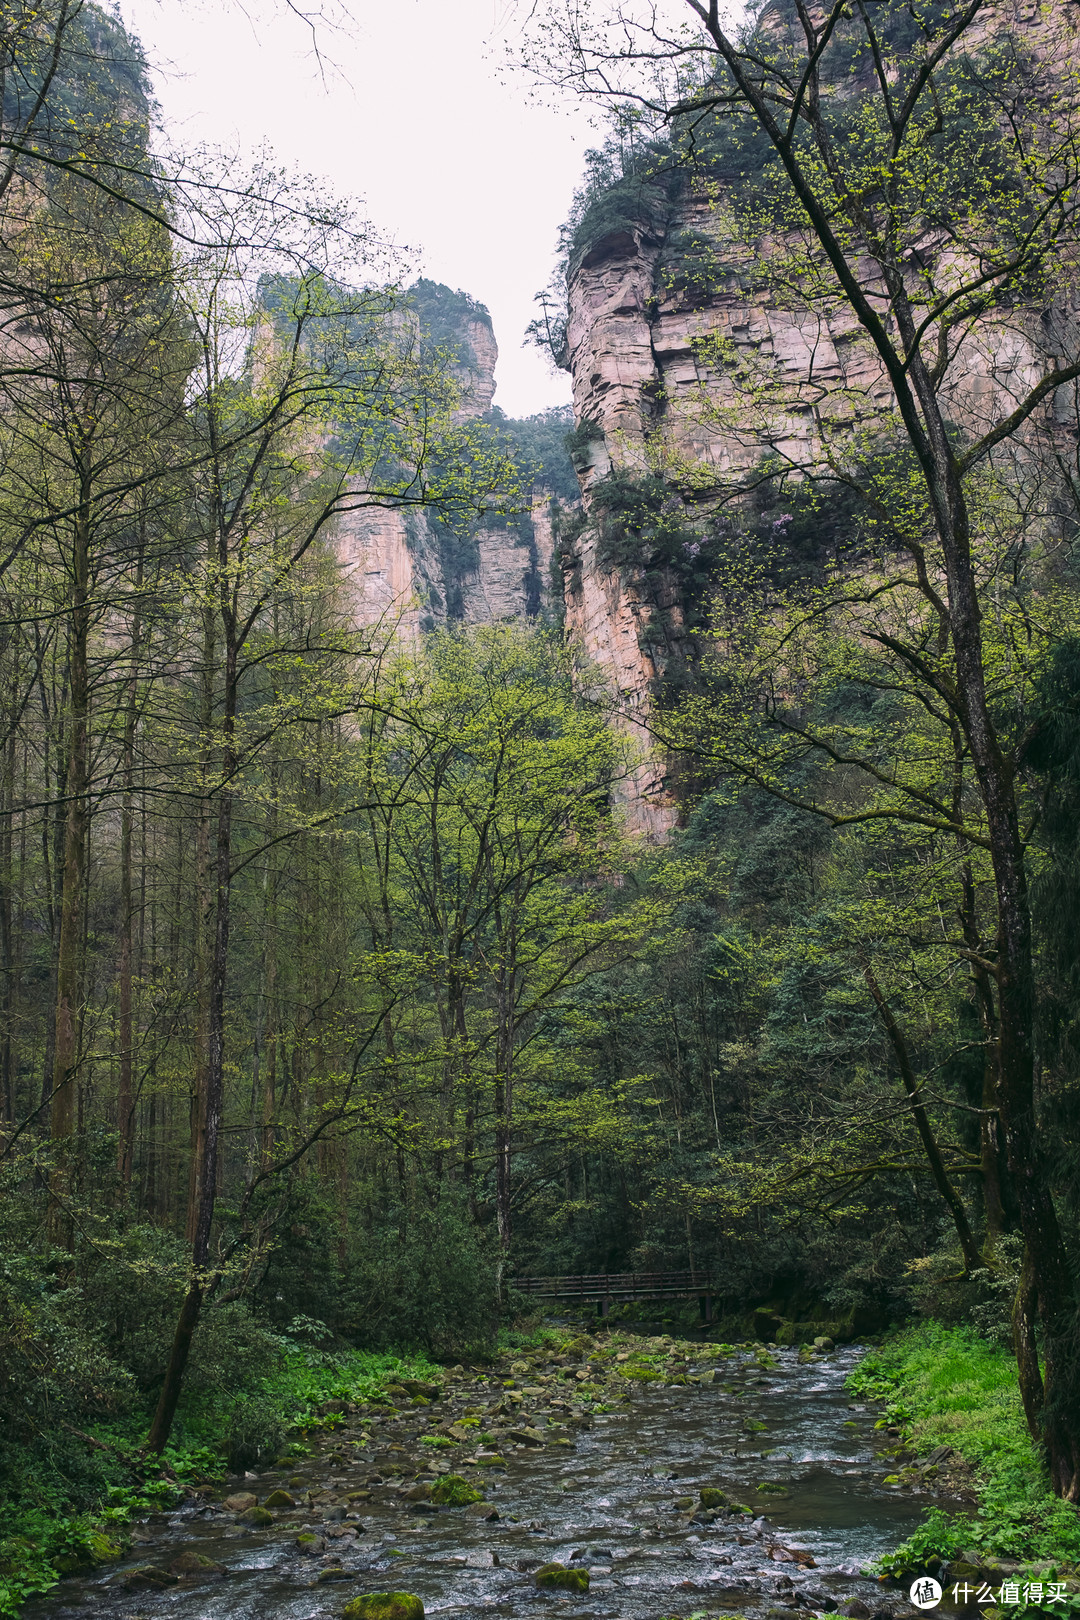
423, 1277
445, 315
948, 1386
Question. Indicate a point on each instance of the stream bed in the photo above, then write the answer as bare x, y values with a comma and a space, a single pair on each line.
614, 1491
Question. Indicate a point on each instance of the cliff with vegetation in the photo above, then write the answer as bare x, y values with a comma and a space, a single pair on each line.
703, 363
408, 571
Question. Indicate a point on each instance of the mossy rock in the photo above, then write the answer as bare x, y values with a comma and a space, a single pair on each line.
557, 1578
713, 1498
195, 1563
491, 1460
384, 1606
279, 1499
683, 1504
147, 1578
772, 1487
258, 1517
333, 1572
453, 1491
309, 1543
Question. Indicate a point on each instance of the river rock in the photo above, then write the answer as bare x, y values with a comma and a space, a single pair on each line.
279, 1499
258, 1517
192, 1563
146, 1578
332, 1572
713, 1497
556, 1577
526, 1437
240, 1501
416, 1387
482, 1558
384, 1606
417, 1493
483, 1511
855, 1609
310, 1543
453, 1491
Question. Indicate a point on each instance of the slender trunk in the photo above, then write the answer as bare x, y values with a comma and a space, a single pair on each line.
991, 1147
66, 1023
8, 1100
1014, 968
952, 1199
202, 932
211, 1111
125, 1101
504, 1103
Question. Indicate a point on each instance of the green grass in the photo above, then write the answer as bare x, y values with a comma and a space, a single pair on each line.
44, 1536
948, 1386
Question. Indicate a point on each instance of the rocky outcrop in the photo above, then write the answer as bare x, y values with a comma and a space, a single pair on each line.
401, 577
663, 313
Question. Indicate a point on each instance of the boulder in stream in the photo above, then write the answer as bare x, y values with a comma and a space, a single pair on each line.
453, 1491
485, 1511
258, 1517
384, 1606
192, 1565
556, 1577
240, 1501
279, 1499
146, 1578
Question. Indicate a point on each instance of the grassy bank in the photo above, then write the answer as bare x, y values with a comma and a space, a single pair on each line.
73, 1513
949, 1387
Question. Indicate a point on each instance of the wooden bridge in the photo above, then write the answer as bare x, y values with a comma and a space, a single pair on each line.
616, 1287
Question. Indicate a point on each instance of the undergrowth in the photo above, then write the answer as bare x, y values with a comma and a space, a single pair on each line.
948, 1386
45, 1534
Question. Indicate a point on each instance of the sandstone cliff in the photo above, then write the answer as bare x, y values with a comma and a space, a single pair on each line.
663, 310
405, 571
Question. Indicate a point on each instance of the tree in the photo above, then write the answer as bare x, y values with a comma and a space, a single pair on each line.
490, 836
909, 175
313, 400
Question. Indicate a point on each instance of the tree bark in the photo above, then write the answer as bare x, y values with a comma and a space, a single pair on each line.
66, 1021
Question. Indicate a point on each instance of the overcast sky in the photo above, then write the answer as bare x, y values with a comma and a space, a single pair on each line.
411, 116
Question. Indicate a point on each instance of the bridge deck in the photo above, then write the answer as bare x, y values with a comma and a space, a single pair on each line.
608, 1287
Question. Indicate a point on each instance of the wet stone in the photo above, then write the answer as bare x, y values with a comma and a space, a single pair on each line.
240, 1501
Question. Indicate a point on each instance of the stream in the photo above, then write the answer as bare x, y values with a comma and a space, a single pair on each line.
613, 1492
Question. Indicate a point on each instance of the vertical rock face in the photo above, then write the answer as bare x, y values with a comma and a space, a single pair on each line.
401, 575
635, 324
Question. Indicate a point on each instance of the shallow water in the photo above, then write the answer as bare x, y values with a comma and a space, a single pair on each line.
607, 1503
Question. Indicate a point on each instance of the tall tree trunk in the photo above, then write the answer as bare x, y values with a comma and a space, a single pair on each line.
66, 1022
125, 1101
203, 918
8, 1099
211, 1111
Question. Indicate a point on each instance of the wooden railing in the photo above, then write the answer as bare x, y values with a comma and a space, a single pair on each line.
610, 1287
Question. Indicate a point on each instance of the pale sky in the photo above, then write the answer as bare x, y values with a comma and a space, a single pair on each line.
413, 117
